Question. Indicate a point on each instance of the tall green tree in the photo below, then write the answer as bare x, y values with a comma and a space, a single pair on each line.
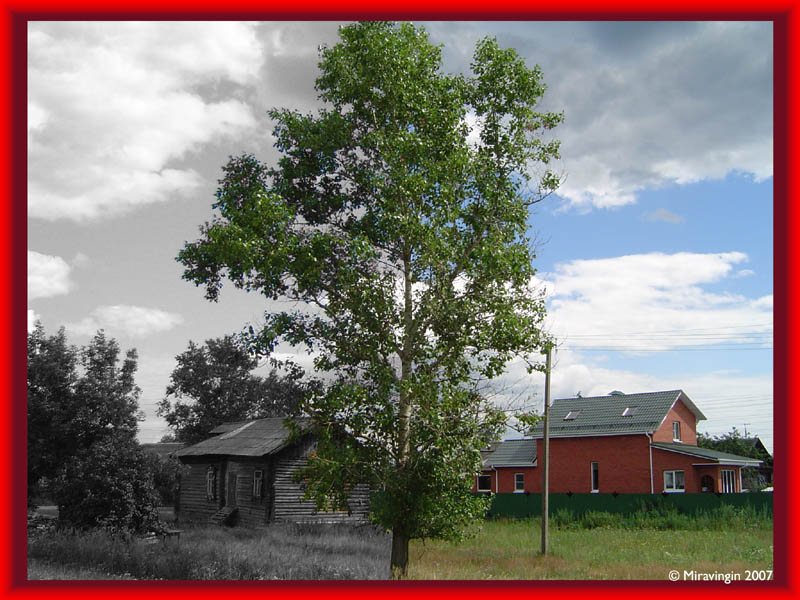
214, 383
400, 231
82, 421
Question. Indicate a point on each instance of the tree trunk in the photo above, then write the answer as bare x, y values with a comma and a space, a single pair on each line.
399, 559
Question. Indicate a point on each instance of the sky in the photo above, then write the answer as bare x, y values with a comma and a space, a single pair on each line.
656, 252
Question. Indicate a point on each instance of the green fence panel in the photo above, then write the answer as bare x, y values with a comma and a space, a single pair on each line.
520, 506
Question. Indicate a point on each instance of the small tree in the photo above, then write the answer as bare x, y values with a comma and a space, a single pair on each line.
400, 232
214, 383
82, 423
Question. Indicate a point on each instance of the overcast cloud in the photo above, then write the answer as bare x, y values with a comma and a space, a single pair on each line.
113, 104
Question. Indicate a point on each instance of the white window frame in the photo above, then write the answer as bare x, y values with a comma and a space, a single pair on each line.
676, 431
594, 469
258, 483
211, 483
727, 480
673, 488
478, 484
517, 488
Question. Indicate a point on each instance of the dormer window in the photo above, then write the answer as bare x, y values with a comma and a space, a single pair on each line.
631, 410
676, 431
572, 415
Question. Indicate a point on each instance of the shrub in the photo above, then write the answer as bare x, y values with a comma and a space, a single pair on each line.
108, 485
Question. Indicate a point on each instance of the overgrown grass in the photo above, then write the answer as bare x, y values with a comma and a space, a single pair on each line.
602, 546
47, 570
281, 551
656, 516
643, 545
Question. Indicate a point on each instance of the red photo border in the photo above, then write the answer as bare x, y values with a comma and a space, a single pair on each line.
15, 18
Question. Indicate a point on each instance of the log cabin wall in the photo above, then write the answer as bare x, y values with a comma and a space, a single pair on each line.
252, 504
288, 501
193, 500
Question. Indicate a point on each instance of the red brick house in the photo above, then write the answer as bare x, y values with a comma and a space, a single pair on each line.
623, 443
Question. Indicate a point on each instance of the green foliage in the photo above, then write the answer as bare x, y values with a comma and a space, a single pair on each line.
82, 423
734, 442
401, 234
659, 516
214, 383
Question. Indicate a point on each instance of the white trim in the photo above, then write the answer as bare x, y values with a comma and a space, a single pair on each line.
574, 435
674, 489
478, 484
716, 461
592, 463
732, 480
674, 402
516, 491
724, 464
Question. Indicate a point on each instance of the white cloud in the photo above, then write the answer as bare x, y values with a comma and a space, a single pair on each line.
32, 318
47, 276
663, 215
135, 321
743, 273
113, 105
651, 301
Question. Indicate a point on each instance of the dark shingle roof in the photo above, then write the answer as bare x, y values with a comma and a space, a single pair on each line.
247, 438
720, 457
162, 448
512, 453
602, 415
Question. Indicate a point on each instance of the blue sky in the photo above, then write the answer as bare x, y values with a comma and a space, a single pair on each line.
660, 237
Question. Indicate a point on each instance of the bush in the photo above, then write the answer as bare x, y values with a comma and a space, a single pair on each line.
108, 485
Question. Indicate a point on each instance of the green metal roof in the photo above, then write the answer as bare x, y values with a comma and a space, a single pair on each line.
512, 453
603, 415
720, 457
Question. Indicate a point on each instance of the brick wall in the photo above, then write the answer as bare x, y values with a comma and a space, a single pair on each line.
623, 464
664, 460
686, 418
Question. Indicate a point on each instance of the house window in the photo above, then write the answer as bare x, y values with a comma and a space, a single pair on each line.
673, 481
676, 431
595, 477
572, 415
484, 483
630, 411
258, 481
211, 483
519, 482
728, 481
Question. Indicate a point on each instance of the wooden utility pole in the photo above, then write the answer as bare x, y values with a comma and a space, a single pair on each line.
545, 458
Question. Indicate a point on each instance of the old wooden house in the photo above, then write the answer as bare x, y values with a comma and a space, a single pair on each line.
243, 475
